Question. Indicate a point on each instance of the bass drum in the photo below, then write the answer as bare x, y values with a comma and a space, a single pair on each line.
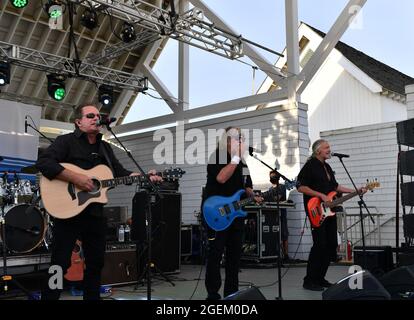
25, 228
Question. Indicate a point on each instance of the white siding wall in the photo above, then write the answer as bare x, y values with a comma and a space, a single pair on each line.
373, 151
409, 90
392, 110
337, 100
284, 141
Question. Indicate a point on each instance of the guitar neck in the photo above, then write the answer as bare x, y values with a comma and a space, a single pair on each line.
109, 183
341, 200
271, 192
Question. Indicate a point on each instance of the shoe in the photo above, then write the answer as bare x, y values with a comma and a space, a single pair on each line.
325, 283
313, 286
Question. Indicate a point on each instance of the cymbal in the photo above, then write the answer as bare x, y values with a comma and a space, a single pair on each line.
29, 170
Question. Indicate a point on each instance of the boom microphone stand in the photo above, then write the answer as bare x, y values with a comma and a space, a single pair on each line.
361, 203
279, 264
148, 206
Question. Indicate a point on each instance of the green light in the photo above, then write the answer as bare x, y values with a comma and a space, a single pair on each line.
55, 13
60, 94
20, 3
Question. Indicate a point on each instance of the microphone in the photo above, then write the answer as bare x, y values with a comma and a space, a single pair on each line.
339, 155
251, 150
105, 121
25, 124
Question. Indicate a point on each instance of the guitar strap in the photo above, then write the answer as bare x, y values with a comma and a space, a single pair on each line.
104, 152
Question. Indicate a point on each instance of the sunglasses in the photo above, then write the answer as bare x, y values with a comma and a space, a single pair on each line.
92, 115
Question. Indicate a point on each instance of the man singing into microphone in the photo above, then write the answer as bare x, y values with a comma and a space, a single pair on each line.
317, 179
84, 148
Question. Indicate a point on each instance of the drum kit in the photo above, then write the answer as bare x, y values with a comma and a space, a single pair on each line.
27, 225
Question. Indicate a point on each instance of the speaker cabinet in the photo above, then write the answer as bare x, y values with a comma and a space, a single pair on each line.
378, 261
371, 289
252, 293
407, 194
186, 240
399, 281
165, 233
120, 267
405, 132
407, 163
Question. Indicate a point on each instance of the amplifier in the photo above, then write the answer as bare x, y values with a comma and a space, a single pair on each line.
121, 264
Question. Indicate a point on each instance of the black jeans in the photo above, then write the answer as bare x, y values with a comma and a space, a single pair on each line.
230, 240
325, 243
91, 231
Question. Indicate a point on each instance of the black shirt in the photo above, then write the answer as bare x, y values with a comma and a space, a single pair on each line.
313, 175
236, 182
75, 148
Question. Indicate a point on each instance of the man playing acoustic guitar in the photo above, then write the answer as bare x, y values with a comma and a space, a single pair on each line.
317, 179
84, 148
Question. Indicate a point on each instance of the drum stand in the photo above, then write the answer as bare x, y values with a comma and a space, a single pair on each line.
6, 278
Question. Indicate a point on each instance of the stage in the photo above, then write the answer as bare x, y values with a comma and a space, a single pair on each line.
186, 284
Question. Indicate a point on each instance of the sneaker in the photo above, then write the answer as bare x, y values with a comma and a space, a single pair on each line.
312, 286
325, 283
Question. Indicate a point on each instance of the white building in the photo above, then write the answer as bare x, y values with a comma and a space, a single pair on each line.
350, 89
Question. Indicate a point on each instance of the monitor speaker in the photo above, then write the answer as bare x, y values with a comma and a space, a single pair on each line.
371, 289
399, 281
252, 293
165, 233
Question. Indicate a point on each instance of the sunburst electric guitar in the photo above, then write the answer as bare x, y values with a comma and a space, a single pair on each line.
64, 200
318, 210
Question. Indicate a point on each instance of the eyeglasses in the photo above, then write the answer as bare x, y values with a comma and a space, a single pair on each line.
92, 115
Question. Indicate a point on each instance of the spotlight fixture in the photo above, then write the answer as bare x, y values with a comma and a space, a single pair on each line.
56, 86
4, 73
89, 19
106, 95
128, 32
19, 3
54, 8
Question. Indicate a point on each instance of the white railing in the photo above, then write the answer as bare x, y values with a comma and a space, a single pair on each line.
349, 229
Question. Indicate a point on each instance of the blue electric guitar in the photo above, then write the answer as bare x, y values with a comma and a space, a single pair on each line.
219, 212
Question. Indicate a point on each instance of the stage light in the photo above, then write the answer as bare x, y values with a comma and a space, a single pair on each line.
128, 32
4, 73
19, 3
106, 95
54, 8
56, 86
89, 19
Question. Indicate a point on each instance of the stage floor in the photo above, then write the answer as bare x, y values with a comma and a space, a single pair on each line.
187, 286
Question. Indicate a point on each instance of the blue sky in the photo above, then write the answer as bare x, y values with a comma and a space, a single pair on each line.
386, 35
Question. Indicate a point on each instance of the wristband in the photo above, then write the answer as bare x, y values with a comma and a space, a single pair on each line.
235, 160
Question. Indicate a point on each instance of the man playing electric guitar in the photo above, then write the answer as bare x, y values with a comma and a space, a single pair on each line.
85, 149
226, 174
317, 179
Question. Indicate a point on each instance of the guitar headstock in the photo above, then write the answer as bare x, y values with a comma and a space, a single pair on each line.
172, 174
290, 185
371, 185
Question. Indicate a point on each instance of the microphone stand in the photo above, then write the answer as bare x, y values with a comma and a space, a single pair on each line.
361, 203
44, 136
148, 205
279, 263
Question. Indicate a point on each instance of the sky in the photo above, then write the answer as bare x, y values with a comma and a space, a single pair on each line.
385, 32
